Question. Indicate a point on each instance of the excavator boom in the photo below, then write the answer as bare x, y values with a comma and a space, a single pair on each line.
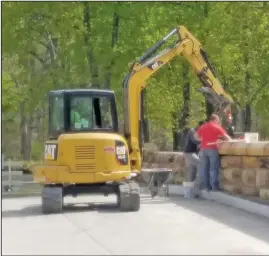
186, 45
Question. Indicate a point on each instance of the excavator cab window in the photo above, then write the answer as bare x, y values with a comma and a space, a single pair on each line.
72, 111
81, 114
89, 113
56, 110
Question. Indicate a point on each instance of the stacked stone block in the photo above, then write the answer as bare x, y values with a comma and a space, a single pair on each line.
171, 160
245, 168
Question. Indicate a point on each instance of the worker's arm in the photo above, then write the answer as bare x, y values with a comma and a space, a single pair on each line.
194, 138
188, 46
223, 135
226, 137
198, 133
197, 137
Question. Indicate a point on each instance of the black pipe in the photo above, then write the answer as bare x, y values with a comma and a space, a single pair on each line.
155, 47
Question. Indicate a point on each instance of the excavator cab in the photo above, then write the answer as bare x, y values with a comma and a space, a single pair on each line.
82, 111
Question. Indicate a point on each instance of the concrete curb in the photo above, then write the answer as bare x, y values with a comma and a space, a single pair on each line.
223, 198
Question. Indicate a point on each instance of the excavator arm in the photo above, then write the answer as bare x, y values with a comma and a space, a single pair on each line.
188, 46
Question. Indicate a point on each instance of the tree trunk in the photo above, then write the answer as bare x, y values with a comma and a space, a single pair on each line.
89, 45
209, 109
183, 120
183, 116
26, 127
115, 36
247, 117
23, 131
28, 144
175, 132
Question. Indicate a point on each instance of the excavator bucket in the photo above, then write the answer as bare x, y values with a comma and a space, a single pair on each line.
156, 179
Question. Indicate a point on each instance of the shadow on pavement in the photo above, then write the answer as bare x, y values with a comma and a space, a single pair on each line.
32, 210
248, 223
101, 207
35, 210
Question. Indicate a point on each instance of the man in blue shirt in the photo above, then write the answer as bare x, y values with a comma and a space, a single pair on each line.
191, 154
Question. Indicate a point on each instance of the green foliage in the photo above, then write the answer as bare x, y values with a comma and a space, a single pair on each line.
37, 150
9, 90
52, 45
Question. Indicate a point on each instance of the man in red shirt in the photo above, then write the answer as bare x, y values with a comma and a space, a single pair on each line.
209, 134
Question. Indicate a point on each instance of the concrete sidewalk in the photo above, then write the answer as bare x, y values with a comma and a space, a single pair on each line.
172, 226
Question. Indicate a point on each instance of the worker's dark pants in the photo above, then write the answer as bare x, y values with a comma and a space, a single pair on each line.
193, 165
210, 164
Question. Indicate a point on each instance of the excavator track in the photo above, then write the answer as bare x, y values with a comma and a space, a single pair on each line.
128, 197
52, 199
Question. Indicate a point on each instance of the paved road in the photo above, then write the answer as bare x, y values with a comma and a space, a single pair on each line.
162, 226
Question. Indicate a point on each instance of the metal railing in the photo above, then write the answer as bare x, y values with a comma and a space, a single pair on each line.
15, 182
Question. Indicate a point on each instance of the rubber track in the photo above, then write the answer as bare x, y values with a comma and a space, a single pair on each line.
129, 196
52, 200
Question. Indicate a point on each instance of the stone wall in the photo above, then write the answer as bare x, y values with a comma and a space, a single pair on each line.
244, 167
171, 160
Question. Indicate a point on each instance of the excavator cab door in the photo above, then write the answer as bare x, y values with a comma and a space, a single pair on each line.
85, 110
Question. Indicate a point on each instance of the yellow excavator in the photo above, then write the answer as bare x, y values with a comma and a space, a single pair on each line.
86, 154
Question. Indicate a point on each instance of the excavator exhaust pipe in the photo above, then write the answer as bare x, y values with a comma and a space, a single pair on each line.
156, 179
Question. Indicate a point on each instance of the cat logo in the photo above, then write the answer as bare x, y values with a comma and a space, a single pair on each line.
50, 152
